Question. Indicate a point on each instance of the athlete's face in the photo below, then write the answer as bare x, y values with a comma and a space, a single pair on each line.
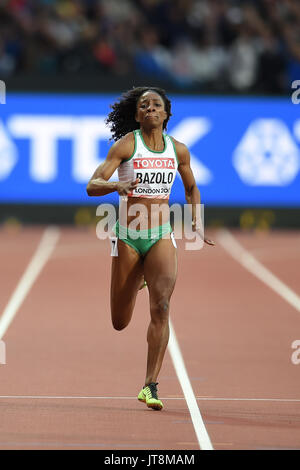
151, 110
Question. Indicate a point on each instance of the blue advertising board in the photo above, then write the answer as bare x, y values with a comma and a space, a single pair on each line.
244, 151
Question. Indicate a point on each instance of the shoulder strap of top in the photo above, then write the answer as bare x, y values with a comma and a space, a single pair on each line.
138, 138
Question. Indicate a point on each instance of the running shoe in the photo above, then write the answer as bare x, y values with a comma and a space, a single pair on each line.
149, 396
144, 284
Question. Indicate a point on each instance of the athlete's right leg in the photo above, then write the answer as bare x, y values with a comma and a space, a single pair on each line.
126, 277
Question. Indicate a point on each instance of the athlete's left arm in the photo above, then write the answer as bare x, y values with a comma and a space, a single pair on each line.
192, 193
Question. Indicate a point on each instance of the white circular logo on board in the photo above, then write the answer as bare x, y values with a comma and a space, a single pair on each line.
267, 154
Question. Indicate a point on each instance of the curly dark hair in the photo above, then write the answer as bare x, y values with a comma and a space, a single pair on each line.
121, 119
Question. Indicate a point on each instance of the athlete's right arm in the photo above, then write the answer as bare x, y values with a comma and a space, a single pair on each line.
99, 184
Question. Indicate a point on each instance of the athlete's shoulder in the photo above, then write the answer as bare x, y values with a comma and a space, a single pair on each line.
124, 147
127, 139
182, 151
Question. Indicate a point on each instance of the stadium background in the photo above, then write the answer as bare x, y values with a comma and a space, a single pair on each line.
228, 66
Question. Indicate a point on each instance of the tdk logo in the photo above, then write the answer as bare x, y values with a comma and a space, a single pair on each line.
85, 133
43, 133
266, 155
8, 153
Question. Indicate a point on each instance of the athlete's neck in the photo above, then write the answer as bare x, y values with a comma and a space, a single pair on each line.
153, 138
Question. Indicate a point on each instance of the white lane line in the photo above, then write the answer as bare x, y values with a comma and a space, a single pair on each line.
58, 397
38, 261
283, 400
242, 256
179, 366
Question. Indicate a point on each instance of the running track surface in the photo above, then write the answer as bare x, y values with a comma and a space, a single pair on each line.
70, 381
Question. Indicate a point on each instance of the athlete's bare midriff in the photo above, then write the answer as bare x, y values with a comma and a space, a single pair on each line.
149, 212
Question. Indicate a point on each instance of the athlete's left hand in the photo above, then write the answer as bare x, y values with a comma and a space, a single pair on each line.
196, 228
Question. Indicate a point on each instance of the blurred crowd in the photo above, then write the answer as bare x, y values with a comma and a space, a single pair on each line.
236, 45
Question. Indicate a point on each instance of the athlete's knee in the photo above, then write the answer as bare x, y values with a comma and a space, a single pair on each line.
119, 326
160, 308
163, 305
120, 320
160, 295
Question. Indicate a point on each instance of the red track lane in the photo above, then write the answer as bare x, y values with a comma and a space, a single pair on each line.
61, 343
16, 249
237, 344
280, 253
234, 332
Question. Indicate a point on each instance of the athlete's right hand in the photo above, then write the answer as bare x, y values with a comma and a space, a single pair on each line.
125, 187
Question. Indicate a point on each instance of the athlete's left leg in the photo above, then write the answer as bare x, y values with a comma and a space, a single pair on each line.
160, 271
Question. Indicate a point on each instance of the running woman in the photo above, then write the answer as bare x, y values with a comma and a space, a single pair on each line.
147, 160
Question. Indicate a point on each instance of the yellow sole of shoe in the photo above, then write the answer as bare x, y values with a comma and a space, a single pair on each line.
155, 407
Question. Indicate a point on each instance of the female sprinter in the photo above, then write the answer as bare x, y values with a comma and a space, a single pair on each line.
147, 159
